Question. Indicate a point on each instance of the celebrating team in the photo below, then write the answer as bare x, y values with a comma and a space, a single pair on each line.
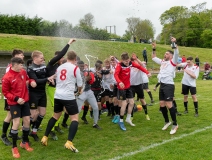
71, 85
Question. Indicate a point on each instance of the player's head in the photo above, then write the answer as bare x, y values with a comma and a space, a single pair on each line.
113, 62
61, 60
72, 56
125, 59
81, 65
98, 65
107, 63
18, 53
17, 64
29, 62
37, 57
168, 55
189, 60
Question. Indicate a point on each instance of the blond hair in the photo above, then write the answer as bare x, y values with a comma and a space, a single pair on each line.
36, 54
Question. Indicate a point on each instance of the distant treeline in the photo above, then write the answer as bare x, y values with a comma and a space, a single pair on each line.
20, 24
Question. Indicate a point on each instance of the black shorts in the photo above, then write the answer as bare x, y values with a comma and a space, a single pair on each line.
20, 110
166, 92
108, 93
115, 90
186, 89
145, 85
37, 99
6, 106
124, 94
138, 89
98, 95
70, 106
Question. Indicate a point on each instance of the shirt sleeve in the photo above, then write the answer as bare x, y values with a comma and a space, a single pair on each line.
117, 71
6, 89
157, 60
32, 75
79, 78
140, 67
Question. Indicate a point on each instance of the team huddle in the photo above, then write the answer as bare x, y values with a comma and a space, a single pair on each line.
71, 84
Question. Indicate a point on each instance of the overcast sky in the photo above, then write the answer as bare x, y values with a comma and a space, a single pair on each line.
105, 12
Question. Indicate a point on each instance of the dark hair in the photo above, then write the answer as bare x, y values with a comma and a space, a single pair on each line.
64, 60
16, 52
98, 63
170, 51
190, 58
56, 53
71, 55
78, 58
29, 62
80, 62
16, 60
125, 56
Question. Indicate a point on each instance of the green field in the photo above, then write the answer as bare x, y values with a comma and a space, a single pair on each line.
144, 141
192, 140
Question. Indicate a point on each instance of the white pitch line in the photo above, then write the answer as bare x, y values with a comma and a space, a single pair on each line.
159, 144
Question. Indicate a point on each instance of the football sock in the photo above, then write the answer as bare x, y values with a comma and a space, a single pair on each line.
72, 130
145, 108
173, 115
196, 106
5, 128
25, 134
150, 95
50, 125
14, 134
186, 105
165, 113
85, 111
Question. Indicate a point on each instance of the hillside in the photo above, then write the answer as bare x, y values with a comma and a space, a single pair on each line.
100, 49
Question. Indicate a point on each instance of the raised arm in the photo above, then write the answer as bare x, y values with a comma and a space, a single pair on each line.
176, 52
62, 53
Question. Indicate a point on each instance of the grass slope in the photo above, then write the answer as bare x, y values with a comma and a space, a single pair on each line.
101, 49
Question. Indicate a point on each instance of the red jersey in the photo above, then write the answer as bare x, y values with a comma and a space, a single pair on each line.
14, 86
122, 73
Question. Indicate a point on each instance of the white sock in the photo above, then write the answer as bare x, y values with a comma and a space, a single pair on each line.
128, 116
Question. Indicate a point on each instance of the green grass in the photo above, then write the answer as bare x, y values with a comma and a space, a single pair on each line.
101, 49
111, 142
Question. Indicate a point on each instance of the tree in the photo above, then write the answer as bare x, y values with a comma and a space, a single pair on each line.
144, 30
88, 21
132, 23
173, 14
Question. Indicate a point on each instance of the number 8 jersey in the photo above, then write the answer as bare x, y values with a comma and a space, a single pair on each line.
67, 75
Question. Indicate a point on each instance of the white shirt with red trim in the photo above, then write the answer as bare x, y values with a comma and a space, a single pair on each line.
67, 75
135, 76
187, 79
167, 68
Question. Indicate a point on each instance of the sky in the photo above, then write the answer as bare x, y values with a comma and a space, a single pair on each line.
105, 12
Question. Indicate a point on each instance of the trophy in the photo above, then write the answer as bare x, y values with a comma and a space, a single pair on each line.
173, 44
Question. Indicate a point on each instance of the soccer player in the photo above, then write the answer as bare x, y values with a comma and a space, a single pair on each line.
51, 68
8, 118
137, 81
37, 95
67, 75
107, 85
87, 94
191, 73
166, 92
15, 90
122, 76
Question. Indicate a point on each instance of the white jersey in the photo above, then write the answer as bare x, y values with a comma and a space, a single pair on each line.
135, 76
67, 75
113, 70
167, 68
187, 79
107, 80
